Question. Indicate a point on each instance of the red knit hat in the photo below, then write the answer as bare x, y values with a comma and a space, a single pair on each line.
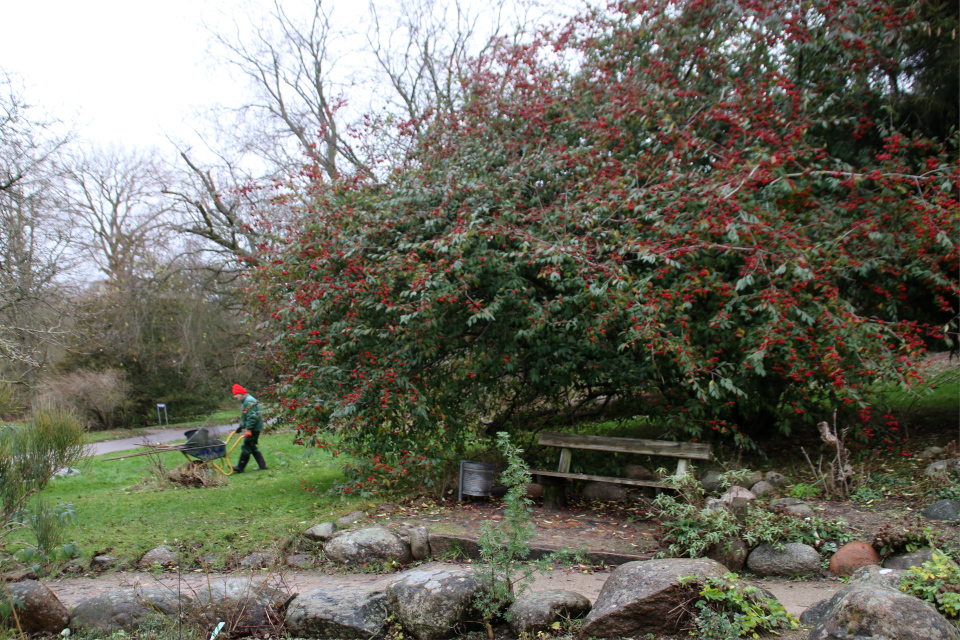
238, 389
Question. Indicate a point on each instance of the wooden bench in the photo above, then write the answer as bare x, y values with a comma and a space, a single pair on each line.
567, 442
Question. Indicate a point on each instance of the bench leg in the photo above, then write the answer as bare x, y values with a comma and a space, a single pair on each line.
554, 493
682, 467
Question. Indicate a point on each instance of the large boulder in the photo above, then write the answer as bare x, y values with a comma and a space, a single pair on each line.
604, 491
370, 544
783, 503
801, 511
259, 560
536, 611
643, 597
794, 559
794, 507
776, 479
731, 553
18, 575
851, 557
127, 609
338, 612
638, 472
941, 467
103, 561
947, 510
40, 610
351, 519
871, 575
239, 602
431, 600
710, 481
763, 488
162, 555
419, 539
735, 492
299, 561
320, 532
875, 575
867, 610
905, 560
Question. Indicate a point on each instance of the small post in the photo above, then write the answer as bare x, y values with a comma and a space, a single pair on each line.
554, 493
159, 421
565, 456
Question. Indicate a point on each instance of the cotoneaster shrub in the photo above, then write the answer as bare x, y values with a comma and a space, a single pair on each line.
709, 213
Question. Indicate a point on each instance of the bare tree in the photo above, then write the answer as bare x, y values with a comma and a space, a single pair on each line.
33, 240
422, 48
215, 205
296, 96
115, 197
303, 73
410, 64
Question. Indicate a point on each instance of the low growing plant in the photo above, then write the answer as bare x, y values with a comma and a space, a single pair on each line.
47, 526
690, 531
907, 535
731, 609
802, 490
865, 495
937, 581
506, 544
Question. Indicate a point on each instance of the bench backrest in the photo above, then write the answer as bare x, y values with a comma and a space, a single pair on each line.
693, 450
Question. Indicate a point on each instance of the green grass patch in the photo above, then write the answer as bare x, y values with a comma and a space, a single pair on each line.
123, 511
943, 395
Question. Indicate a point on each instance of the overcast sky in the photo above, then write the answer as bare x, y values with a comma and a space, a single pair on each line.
125, 70
132, 71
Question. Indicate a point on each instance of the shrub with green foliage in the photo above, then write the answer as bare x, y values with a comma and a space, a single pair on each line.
30, 455
692, 531
937, 581
731, 609
802, 490
711, 213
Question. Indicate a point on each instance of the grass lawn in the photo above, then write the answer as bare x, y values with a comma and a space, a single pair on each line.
123, 511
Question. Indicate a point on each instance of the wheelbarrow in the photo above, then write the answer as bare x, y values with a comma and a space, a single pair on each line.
203, 449
200, 449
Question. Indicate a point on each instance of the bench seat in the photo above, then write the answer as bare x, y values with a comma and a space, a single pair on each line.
567, 442
584, 476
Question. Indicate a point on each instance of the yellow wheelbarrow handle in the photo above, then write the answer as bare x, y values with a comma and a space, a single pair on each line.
229, 467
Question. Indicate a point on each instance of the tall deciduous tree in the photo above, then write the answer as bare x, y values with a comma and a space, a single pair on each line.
114, 196
697, 211
33, 238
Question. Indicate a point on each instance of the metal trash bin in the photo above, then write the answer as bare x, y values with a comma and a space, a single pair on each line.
476, 479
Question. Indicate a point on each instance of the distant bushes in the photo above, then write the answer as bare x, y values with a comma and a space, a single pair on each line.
100, 399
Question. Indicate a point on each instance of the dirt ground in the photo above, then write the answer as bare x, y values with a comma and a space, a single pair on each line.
616, 528
610, 527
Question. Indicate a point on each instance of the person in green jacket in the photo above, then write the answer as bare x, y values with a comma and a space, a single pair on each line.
251, 424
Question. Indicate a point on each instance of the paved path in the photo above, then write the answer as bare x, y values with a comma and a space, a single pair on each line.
152, 437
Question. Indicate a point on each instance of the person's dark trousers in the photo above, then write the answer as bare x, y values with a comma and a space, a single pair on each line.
249, 448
